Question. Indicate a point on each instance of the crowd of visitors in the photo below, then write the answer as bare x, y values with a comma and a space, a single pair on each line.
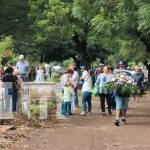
72, 81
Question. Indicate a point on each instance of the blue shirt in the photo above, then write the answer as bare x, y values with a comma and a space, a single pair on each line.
139, 79
23, 67
102, 80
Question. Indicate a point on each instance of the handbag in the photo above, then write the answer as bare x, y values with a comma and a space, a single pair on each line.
94, 91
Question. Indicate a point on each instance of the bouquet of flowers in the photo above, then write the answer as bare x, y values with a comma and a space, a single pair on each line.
123, 85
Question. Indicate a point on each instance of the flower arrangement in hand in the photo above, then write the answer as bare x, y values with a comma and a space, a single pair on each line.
123, 85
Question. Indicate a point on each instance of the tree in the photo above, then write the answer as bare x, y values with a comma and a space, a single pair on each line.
127, 22
66, 26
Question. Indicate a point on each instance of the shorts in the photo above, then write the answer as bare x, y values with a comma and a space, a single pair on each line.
121, 102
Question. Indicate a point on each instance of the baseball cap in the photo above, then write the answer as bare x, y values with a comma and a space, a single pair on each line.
122, 64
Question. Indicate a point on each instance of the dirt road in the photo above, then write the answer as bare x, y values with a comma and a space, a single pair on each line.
95, 132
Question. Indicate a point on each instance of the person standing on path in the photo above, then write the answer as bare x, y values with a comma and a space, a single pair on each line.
23, 67
67, 86
75, 77
86, 92
104, 95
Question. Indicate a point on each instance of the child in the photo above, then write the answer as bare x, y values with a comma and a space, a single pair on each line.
67, 100
40, 74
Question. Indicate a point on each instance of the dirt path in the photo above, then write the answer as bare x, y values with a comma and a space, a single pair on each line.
95, 132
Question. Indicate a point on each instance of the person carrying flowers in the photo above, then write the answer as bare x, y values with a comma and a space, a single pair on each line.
124, 86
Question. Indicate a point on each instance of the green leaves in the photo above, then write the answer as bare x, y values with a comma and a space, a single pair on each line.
144, 18
6, 44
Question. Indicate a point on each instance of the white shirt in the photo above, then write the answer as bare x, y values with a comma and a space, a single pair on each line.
87, 85
75, 76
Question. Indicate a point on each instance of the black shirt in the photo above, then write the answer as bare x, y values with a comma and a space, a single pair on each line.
10, 78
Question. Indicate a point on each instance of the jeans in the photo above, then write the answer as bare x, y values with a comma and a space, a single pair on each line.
66, 108
108, 98
75, 97
121, 102
86, 100
10, 95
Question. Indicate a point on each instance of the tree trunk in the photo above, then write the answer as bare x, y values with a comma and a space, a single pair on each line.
81, 47
42, 57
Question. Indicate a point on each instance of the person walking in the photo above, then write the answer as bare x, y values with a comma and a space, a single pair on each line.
139, 79
102, 79
121, 102
86, 92
23, 67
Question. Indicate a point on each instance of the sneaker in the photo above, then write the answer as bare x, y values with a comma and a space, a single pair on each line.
88, 113
117, 123
83, 113
103, 114
124, 121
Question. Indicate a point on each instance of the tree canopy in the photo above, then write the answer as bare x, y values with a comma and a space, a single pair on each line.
84, 30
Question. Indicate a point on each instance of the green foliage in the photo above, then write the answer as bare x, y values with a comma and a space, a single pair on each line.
35, 108
84, 30
126, 25
144, 19
6, 43
67, 62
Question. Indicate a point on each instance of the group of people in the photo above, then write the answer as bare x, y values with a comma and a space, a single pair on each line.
16, 74
25, 70
71, 81
11, 80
